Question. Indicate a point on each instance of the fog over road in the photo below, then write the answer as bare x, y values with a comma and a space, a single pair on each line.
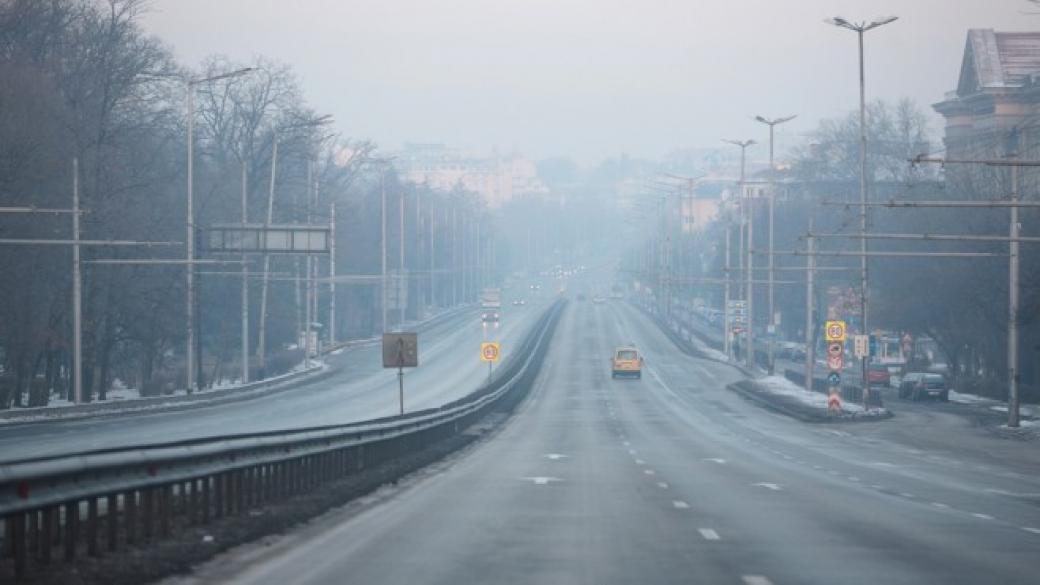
674, 479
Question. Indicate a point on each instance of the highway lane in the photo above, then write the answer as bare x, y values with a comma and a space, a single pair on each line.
361, 389
673, 479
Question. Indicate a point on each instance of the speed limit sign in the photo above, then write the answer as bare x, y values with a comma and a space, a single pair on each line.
489, 351
835, 330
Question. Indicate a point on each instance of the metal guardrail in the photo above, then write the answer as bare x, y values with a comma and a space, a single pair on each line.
136, 494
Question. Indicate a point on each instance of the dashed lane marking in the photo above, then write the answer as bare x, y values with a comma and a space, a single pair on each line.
648, 471
640, 462
982, 516
718, 460
907, 495
940, 505
1031, 529
756, 580
708, 534
768, 486
541, 480
681, 505
662, 485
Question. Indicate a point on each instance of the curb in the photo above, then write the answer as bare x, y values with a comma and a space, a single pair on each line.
748, 389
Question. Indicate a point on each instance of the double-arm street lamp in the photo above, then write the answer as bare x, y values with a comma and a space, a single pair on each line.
859, 28
749, 293
772, 202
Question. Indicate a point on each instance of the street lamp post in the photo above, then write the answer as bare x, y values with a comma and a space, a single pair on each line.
772, 203
750, 293
860, 28
190, 241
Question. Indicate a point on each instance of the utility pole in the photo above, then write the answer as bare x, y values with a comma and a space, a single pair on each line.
261, 342
727, 342
1014, 241
332, 272
772, 203
77, 293
245, 282
810, 326
382, 243
401, 284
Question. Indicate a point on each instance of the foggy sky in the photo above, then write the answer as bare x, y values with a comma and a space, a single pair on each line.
586, 78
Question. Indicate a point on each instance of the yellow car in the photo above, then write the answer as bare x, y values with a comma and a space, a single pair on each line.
626, 362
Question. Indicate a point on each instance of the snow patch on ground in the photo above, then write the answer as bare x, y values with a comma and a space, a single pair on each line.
708, 351
967, 398
782, 386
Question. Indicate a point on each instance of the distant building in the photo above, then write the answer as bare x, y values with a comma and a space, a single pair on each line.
998, 91
495, 178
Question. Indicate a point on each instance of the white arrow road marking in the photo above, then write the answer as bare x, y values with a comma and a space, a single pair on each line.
541, 480
768, 486
555, 456
708, 533
718, 460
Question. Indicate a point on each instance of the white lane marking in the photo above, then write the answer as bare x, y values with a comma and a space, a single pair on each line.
833, 472
631, 451
640, 462
626, 443
662, 485
708, 534
541, 480
718, 460
982, 516
853, 478
1031, 529
756, 580
768, 486
940, 505
680, 504
817, 467
555, 456
648, 471
907, 495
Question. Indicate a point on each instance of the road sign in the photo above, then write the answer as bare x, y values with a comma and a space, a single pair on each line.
835, 362
861, 346
400, 350
834, 402
490, 351
834, 378
835, 330
834, 348
873, 345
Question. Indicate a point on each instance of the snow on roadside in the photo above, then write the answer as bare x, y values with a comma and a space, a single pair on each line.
964, 398
781, 386
711, 352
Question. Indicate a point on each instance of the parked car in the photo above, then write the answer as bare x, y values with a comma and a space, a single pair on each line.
920, 385
878, 375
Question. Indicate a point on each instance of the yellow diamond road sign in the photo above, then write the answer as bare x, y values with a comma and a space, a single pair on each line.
489, 351
835, 330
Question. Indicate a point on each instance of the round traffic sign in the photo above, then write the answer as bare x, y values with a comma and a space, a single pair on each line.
489, 352
835, 331
835, 362
834, 349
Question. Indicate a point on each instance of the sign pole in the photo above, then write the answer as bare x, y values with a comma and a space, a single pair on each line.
400, 387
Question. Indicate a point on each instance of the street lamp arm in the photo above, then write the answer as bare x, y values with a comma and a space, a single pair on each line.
227, 75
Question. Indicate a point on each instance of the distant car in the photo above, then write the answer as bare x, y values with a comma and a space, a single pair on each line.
920, 385
518, 302
626, 361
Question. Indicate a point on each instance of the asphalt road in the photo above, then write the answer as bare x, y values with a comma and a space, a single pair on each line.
673, 479
361, 389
